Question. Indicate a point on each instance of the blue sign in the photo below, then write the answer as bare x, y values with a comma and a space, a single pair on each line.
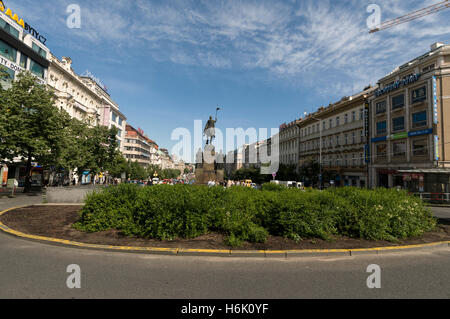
379, 139
421, 132
435, 104
436, 148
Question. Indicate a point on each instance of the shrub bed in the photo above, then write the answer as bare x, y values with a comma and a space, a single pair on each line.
166, 212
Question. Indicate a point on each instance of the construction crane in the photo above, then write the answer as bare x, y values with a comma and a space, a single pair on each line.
412, 16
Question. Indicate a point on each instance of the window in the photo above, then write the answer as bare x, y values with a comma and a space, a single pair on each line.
398, 124
428, 68
353, 138
331, 123
420, 147
7, 77
9, 28
382, 150
120, 121
361, 114
39, 50
337, 121
419, 119
8, 51
419, 95
381, 128
36, 69
323, 125
114, 117
353, 116
381, 107
346, 139
346, 119
399, 149
398, 101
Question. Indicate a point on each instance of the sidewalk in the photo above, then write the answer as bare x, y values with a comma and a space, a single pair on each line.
20, 200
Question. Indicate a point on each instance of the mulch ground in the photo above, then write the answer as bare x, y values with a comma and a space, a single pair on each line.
57, 221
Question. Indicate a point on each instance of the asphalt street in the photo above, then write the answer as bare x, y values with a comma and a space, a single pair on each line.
36, 270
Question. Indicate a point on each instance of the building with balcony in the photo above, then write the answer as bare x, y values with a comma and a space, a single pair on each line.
410, 129
137, 147
109, 112
337, 137
73, 95
289, 143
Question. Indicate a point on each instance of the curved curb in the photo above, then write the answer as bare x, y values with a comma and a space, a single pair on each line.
216, 252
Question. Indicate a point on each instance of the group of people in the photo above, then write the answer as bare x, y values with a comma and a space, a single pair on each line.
213, 183
229, 183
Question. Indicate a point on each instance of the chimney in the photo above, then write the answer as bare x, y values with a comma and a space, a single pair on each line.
67, 62
436, 46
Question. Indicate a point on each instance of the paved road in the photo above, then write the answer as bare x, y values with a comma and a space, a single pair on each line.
36, 270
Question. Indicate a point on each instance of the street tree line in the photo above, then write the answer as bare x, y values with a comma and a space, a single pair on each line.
34, 129
135, 171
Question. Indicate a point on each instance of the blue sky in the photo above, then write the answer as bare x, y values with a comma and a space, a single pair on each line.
170, 62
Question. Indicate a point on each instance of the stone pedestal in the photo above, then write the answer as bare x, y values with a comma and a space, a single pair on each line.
208, 169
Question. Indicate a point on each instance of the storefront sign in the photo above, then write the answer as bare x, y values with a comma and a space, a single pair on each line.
379, 139
398, 136
436, 148
435, 104
421, 132
402, 135
4, 175
8, 12
10, 65
397, 84
16, 68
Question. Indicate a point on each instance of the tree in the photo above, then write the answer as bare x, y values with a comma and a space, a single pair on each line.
287, 173
117, 166
137, 171
90, 147
6, 142
253, 174
33, 124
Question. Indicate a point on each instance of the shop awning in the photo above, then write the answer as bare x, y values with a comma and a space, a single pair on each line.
426, 171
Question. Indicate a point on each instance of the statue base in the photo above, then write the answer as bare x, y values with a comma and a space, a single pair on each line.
207, 170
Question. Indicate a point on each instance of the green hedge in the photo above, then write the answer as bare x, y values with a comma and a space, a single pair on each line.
244, 214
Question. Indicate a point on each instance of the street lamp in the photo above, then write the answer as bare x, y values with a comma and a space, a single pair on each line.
320, 147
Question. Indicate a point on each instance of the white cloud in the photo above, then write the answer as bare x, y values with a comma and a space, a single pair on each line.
324, 43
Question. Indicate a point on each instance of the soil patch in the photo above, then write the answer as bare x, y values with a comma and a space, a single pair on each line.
57, 221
